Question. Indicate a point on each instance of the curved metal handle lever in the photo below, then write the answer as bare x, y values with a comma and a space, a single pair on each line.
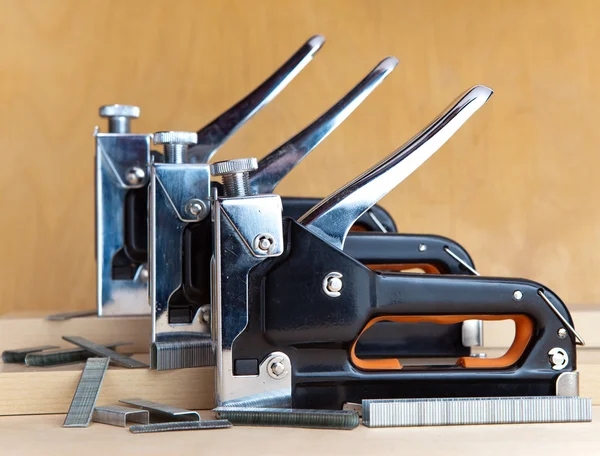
213, 135
332, 218
275, 166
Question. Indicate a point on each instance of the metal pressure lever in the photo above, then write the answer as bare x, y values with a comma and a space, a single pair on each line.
213, 135
332, 219
275, 166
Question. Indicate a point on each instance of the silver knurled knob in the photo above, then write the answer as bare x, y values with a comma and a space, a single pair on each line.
176, 144
235, 175
119, 117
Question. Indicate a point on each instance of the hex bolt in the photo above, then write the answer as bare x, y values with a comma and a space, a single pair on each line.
562, 333
176, 144
235, 175
119, 117
422, 247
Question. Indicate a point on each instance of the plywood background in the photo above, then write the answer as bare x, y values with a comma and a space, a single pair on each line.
518, 186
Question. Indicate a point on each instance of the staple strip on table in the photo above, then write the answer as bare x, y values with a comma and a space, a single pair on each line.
162, 411
486, 410
182, 352
180, 426
116, 358
69, 315
118, 415
62, 356
303, 418
272, 399
86, 394
18, 355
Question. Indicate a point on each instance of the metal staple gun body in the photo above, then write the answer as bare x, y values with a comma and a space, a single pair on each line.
287, 320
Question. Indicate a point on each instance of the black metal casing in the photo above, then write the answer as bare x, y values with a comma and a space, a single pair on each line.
289, 312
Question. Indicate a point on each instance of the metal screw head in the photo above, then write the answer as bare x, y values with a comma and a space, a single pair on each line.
332, 284
276, 368
135, 175
240, 165
175, 137
118, 110
205, 313
559, 359
562, 333
263, 243
422, 247
478, 355
143, 273
518, 295
196, 208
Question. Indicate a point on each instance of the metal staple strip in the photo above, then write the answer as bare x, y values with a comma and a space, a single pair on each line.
180, 426
162, 411
100, 350
468, 411
182, 352
61, 356
273, 399
19, 355
69, 315
118, 415
303, 418
86, 394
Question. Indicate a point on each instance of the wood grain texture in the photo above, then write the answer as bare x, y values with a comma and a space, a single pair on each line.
29, 391
517, 185
25, 435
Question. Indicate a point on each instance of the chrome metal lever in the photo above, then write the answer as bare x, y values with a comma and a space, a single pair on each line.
332, 218
275, 166
213, 135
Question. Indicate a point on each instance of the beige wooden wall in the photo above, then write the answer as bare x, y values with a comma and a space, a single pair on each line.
518, 185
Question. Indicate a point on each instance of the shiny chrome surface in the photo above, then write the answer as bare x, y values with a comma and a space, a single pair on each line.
171, 188
116, 155
235, 175
475, 410
117, 415
119, 117
578, 339
237, 221
275, 166
332, 218
163, 411
213, 135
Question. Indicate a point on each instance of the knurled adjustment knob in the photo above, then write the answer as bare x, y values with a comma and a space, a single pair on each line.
235, 175
176, 144
119, 116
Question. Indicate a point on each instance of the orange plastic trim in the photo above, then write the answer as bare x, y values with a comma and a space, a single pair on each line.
427, 268
523, 333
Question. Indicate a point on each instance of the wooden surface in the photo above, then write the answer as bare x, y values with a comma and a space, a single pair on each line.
25, 390
517, 186
28, 435
20, 332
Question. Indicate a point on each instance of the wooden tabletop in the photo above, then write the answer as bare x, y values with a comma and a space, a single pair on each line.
44, 434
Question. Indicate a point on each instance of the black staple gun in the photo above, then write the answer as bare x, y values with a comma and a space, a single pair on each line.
288, 314
181, 244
